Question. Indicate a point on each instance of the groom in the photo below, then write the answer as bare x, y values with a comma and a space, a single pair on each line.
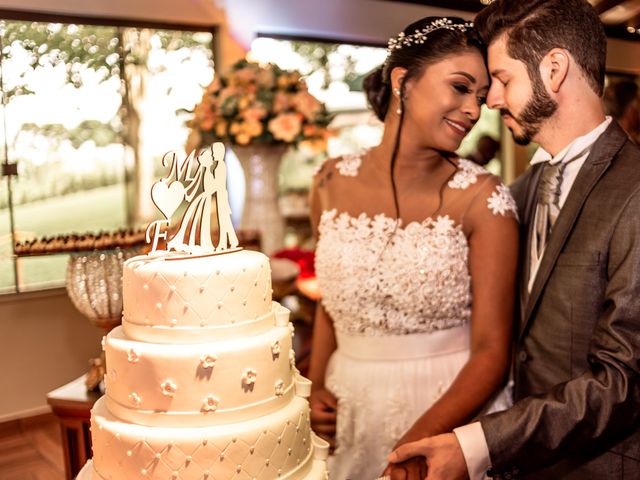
577, 350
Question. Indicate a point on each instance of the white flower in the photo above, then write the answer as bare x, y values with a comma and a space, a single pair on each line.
168, 388
350, 164
135, 399
279, 388
275, 349
249, 377
501, 202
208, 361
210, 404
133, 356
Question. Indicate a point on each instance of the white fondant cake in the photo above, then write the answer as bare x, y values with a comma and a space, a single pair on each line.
200, 379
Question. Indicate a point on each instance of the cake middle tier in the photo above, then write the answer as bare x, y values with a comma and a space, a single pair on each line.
199, 384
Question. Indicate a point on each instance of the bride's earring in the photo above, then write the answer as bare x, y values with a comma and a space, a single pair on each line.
399, 109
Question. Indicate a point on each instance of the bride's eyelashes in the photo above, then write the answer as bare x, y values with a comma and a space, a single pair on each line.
461, 88
464, 90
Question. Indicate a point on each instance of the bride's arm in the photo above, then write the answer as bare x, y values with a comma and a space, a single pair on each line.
323, 403
493, 252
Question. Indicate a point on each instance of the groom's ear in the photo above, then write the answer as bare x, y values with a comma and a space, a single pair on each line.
554, 68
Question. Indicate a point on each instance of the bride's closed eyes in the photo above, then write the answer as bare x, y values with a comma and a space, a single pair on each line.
465, 90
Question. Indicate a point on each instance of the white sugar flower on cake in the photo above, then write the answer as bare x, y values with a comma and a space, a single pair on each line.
168, 388
207, 361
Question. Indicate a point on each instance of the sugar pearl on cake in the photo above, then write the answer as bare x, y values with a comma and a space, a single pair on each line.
204, 442
221, 457
266, 462
279, 439
234, 439
232, 288
158, 305
129, 453
188, 459
143, 471
117, 436
279, 472
158, 456
145, 287
201, 288
219, 305
173, 322
172, 288
239, 468
206, 474
244, 303
203, 323
252, 449
217, 272
289, 452
175, 474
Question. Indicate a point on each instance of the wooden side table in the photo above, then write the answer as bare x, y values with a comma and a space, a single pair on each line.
72, 404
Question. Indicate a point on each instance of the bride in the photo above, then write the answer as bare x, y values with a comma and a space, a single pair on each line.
416, 260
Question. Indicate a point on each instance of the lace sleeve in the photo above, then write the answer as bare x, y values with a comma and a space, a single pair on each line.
501, 202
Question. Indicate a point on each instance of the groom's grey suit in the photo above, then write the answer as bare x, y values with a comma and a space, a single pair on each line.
577, 356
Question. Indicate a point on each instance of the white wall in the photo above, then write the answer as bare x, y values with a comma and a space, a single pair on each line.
44, 343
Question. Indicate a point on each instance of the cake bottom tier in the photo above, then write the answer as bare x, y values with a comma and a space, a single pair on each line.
318, 471
280, 445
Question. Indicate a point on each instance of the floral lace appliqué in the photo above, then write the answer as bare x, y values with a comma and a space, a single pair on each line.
502, 203
466, 175
417, 282
350, 164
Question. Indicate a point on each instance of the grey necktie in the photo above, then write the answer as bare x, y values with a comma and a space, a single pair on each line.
548, 203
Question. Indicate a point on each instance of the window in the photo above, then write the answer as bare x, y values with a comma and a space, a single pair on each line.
88, 111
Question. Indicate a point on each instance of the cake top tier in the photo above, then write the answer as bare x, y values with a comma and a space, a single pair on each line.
196, 299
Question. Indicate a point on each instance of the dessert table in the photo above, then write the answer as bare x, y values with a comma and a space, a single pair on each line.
71, 403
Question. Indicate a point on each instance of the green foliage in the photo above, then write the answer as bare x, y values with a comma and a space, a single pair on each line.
318, 55
102, 134
78, 47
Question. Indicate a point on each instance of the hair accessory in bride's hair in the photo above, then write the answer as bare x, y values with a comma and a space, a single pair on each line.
420, 36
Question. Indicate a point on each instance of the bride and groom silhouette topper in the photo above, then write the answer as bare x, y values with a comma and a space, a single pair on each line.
199, 181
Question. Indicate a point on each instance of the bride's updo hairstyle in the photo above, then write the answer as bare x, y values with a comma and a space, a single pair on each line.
421, 44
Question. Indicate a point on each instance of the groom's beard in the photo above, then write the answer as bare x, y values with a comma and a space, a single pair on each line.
539, 107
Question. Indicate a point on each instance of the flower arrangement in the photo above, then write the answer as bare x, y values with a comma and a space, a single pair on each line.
259, 104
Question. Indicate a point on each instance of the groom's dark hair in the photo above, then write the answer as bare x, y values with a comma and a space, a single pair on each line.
534, 27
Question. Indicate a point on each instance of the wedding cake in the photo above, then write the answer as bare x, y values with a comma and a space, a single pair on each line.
201, 380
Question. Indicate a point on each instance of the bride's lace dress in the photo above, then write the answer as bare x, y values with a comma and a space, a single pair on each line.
400, 301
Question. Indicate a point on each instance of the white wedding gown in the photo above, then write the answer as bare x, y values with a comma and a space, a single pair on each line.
401, 313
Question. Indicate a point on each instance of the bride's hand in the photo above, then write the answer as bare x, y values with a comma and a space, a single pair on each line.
324, 410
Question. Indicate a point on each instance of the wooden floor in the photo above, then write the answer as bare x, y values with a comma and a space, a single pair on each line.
31, 449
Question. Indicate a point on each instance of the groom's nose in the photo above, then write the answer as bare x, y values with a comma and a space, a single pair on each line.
495, 96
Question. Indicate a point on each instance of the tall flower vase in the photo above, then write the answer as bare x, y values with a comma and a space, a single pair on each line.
261, 212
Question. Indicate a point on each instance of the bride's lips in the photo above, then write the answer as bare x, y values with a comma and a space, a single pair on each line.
458, 127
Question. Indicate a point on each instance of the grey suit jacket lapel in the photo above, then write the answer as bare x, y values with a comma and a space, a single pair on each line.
527, 220
593, 168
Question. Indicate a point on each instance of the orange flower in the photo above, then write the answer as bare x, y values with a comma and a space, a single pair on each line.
282, 102
244, 132
255, 113
307, 104
286, 126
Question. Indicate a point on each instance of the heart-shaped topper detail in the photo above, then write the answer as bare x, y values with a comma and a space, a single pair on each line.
167, 197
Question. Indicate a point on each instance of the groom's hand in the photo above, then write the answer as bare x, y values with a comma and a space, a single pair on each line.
445, 460
412, 469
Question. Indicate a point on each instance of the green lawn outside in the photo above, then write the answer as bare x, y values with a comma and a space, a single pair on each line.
89, 211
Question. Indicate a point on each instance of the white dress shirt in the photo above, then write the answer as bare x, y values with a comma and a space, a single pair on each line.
471, 437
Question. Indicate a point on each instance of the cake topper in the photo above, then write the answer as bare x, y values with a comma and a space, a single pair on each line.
199, 181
